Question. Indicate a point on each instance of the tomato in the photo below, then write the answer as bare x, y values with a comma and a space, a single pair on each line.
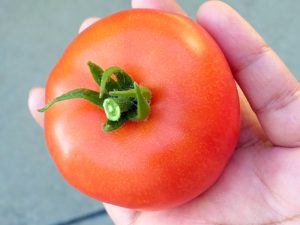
191, 132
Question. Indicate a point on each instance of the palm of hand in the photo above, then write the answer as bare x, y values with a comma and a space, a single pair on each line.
260, 184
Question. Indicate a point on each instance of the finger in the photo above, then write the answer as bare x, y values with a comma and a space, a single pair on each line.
165, 5
119, 215
36, 100
251, 131
270, 88
88, 22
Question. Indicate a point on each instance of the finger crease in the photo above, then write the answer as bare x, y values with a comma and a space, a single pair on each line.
252, 58
279, 101
136, 216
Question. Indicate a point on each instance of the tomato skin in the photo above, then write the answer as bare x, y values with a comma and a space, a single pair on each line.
193, 127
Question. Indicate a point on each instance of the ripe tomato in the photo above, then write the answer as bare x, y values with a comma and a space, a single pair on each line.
182, 148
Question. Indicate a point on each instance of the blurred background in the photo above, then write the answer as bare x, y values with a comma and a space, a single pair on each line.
33, 35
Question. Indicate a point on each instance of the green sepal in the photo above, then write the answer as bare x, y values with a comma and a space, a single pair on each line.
131, 93
111, 85
96, 71
113, 125
87, 94
143, 107
124, 82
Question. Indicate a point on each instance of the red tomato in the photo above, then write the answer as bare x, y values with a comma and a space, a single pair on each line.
184, 145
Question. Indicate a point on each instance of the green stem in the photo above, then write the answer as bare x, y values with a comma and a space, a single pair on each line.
113, 107
122, 99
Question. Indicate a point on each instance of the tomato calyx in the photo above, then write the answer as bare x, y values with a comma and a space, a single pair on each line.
121, 98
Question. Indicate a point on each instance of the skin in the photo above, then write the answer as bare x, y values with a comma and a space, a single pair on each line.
259, 185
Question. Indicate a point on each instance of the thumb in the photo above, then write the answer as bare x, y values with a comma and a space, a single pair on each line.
36, 100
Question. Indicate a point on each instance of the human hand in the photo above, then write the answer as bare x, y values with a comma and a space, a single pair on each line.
260, 185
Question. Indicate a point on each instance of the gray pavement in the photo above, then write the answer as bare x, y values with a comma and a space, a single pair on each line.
33, 34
